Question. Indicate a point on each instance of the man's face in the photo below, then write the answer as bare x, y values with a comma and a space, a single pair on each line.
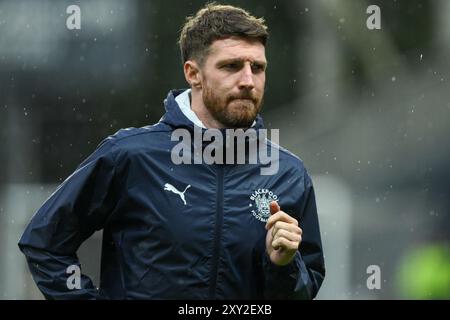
233, 78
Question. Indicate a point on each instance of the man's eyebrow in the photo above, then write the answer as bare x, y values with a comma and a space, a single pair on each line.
239, 60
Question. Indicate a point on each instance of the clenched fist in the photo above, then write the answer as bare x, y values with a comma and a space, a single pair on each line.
283, 236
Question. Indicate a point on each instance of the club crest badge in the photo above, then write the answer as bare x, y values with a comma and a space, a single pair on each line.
259, 205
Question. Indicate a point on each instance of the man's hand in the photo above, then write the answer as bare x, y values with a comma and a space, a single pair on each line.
283, 236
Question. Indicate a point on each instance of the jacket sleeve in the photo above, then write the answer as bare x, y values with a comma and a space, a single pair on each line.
302, 278
79, 206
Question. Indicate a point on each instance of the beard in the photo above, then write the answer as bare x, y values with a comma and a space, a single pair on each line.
233, 110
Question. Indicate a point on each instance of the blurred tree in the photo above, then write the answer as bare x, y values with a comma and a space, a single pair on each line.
424, 273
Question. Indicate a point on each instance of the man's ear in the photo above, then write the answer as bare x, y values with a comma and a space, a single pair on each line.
192, 74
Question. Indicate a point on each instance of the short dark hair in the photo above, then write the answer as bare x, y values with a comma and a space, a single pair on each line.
214, 22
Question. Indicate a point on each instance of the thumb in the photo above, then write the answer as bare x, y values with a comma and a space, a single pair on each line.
274, 207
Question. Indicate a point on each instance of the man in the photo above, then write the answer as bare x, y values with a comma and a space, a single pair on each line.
187, 231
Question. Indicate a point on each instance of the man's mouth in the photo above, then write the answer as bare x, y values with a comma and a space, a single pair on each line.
245, 99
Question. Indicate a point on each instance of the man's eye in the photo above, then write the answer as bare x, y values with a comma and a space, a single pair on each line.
257, 67
231, 66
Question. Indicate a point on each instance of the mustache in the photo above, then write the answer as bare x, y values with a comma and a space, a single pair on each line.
244, 95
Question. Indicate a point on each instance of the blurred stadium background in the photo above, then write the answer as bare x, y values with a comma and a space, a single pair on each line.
367, 110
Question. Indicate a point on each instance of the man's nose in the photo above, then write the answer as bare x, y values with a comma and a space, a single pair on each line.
246, 79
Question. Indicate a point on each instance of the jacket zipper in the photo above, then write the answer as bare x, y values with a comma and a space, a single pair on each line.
217, 233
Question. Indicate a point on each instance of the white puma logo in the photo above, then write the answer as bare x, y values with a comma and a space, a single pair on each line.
170, 187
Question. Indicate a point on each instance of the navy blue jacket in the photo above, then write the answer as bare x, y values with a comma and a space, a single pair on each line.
157, 245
